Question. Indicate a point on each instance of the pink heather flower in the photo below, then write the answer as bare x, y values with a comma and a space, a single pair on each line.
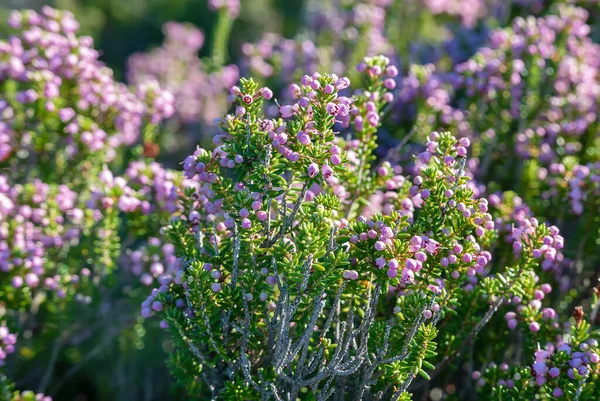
32, 280
428, 314
512, 324
359, 123
216, 287
554, 372
304, 102
286, 111
303, 138
266, 93
387, 232
416, 240
412, 264
294, 157
408, 276
373, 119
548, 313
261, 215
244, 213
393, 264
335, 160
17, 281
534, 326
420, 256
375, 70
313, 170
327, 171
350, 274
332, 109
557, 392
246, 224
389, 83
342, 83
380, 246
271, 280
540, 368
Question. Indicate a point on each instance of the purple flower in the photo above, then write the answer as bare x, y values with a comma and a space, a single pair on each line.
313, 170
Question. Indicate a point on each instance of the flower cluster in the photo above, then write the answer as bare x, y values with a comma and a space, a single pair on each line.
147, 193
559, 369
536, 77
469, 12
197, 91
338, 37
154, 261
56, 88
7, 343
38, 223
231, 6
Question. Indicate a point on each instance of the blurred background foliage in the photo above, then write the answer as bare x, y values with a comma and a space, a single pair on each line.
123, 27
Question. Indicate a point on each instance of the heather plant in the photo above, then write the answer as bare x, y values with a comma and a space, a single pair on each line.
63, 120
329, 300
565, 369
339, 34
516, 97
199, 86
70, 200
543, 144
63, 113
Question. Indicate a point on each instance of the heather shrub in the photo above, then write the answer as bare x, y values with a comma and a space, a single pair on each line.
71, 197
328, 300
